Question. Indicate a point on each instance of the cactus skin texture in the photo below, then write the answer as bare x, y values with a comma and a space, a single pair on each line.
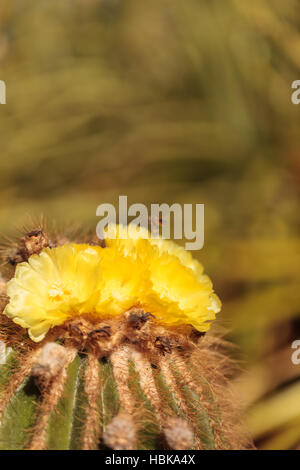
125, 383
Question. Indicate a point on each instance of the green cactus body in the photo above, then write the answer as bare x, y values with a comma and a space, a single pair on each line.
121, 383
123, 400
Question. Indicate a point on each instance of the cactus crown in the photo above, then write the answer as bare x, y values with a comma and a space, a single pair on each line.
115, 355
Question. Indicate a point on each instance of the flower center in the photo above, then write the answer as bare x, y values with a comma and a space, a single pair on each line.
57, 291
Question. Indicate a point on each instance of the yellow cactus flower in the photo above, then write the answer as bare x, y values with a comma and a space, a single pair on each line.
83, 280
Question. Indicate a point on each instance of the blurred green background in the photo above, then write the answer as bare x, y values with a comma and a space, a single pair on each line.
171, 101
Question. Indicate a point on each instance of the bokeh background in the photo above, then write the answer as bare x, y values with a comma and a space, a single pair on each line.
183, 101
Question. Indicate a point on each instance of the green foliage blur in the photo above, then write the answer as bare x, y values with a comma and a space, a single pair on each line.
171, 101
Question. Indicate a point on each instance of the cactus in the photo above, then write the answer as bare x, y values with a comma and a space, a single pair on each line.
131, 379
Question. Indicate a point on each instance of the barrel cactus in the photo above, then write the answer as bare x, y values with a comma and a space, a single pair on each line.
103, 344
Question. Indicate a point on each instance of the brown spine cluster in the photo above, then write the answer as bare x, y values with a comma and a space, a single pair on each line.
31, 243
136, 327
